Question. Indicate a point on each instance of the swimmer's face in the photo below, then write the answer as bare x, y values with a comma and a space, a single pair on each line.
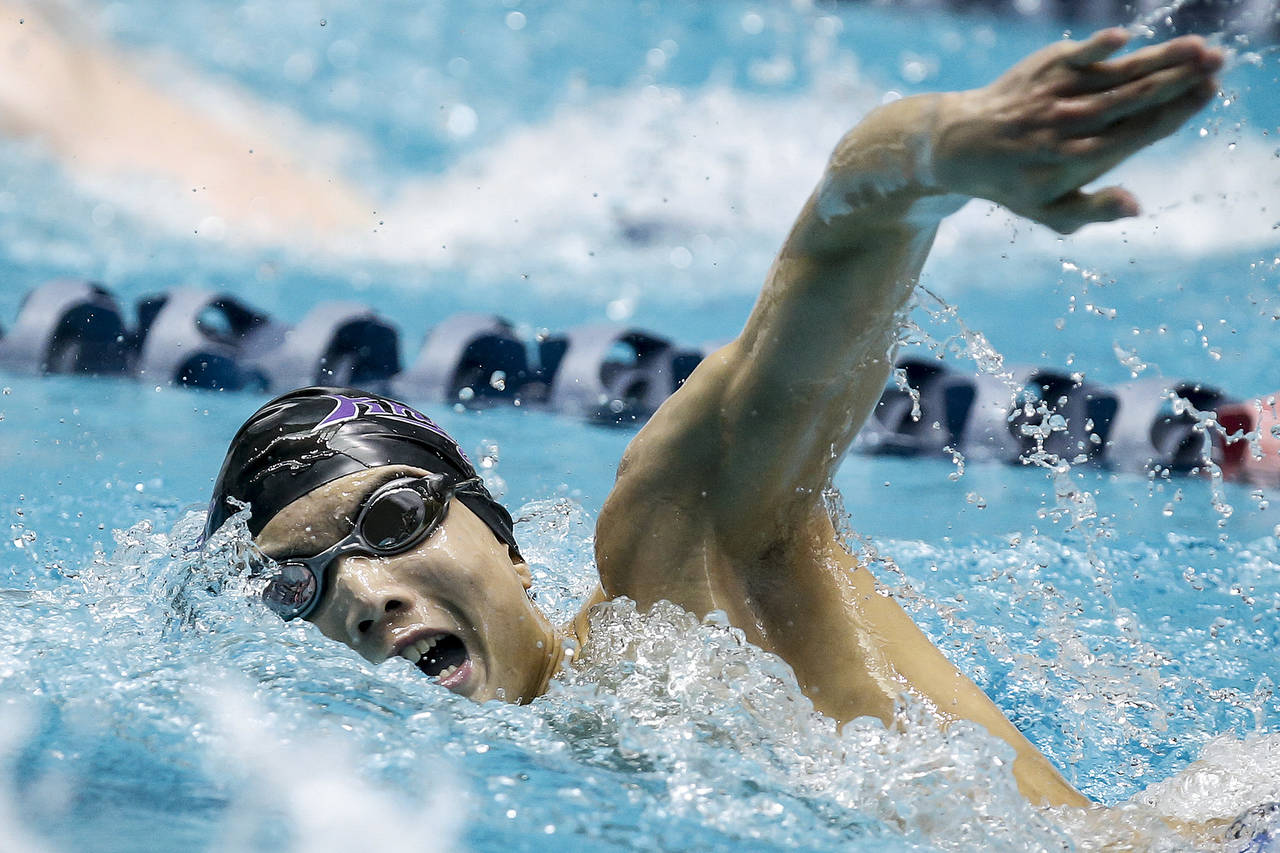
456, 603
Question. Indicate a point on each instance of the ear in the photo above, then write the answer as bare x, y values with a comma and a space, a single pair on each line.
521, 567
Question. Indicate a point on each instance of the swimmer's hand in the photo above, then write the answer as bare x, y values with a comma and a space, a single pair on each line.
719, 503
1062, 117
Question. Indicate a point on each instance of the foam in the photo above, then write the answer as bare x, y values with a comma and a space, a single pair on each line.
1231, 774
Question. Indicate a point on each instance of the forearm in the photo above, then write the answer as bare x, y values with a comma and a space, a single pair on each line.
814, 354
1030, 141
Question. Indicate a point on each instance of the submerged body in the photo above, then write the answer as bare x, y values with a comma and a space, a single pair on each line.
718, 502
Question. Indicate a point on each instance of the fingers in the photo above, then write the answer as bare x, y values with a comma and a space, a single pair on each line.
1088, 114
1188, 49
1077, 208
1138, 130
1096, 47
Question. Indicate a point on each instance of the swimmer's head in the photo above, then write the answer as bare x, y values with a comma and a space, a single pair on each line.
312, 436
381, 534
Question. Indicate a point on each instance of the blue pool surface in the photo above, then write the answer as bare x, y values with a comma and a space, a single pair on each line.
1128, 625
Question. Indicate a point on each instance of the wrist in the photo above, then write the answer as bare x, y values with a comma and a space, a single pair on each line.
936, 199
887, 165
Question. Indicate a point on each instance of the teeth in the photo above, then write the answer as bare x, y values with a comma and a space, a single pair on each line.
425, 646
415, 652
448, 671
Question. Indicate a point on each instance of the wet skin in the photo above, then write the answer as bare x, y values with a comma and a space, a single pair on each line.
717, 505
460, 581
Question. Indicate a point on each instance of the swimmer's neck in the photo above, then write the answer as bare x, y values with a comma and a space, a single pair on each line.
568, 639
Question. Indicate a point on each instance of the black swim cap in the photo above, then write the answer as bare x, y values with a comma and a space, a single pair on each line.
312, 436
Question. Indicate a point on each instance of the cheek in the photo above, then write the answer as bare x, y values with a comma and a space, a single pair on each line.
327, 620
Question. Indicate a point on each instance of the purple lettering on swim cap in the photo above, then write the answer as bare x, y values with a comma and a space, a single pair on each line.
349, 408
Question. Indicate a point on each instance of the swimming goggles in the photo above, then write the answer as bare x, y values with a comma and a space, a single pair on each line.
395, 518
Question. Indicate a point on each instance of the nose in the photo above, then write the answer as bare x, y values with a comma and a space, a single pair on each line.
371, 593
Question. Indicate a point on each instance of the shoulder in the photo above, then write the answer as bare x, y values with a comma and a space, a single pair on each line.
679, 523
661, 514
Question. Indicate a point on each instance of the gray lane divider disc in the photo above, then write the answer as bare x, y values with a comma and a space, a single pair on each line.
475, 359
336, 343
67, 326
193, 336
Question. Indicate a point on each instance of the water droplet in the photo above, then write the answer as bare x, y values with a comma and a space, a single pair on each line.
462, 121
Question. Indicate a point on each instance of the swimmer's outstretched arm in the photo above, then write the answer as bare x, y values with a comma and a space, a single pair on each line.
718, 499
104, 119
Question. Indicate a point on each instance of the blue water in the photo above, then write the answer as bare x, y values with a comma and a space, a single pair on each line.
1129, 626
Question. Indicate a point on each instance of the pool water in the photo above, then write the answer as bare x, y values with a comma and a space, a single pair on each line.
1128, 625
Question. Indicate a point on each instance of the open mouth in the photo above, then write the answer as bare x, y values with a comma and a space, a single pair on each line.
442, 657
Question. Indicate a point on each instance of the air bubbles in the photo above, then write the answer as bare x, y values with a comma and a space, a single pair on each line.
1130, 359
752, 23
516, 21
462, 121
488, 453
915, 68
620, 310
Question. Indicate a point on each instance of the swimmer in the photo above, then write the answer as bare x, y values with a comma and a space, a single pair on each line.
94, 109
381, 535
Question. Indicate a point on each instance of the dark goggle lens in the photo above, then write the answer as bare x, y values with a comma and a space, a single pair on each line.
291, 590
396, 518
